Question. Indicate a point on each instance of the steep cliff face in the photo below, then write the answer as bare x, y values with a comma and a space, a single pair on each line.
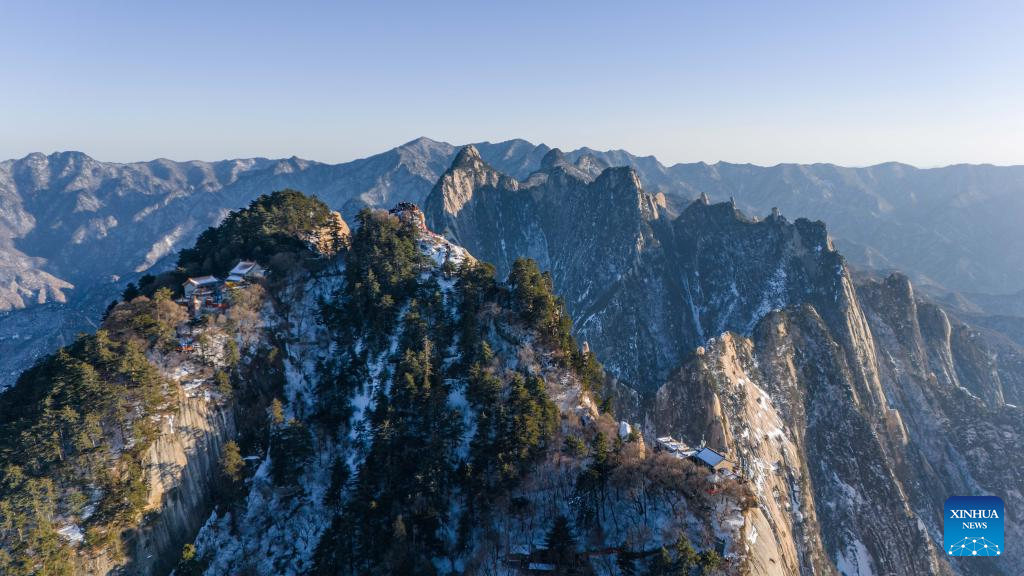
943, 378
715, 398
873, 477
784, 405
182, 467
645, 287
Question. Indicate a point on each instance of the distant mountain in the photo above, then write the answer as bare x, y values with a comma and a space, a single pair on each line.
953, 226
74, 231
67, 220
989, 304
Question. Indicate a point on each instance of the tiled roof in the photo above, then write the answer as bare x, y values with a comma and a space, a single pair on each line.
709, 457
243, 267
199, 281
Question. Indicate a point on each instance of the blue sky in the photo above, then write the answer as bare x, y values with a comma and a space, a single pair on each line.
928, 83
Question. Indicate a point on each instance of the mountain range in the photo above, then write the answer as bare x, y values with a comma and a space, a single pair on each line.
855, 404
74, 231
849, 405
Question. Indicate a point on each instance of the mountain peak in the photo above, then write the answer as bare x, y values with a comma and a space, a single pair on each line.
591, 164
468, 157
421, 141
553, 158
586, 168
424, 147
622, 179
58, 156
458, 184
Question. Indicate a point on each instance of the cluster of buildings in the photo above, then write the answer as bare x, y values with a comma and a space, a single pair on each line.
704, 456
411, 214
206, 294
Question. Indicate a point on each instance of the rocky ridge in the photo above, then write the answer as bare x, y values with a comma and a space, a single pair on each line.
772, 314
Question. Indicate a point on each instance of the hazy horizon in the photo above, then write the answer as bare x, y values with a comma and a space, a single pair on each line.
923, 83
665, 162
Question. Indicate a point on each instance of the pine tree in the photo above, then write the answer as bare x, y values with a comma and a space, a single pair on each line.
599, 449
190, 564
224, 387
131, 292
291, 448
163, 295
560, 543
574, 446
661, 564
709, 561
276, 412
231, 353
231, 463
686, 556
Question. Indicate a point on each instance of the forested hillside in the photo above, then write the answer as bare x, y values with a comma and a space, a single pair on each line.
85, 434
441, 421
377, 402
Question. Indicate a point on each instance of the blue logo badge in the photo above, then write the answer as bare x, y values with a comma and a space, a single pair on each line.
973, 526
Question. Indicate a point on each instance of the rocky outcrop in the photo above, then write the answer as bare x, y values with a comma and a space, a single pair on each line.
643, 287
182, 467
331, 238
874, 476
783, 406
946, 384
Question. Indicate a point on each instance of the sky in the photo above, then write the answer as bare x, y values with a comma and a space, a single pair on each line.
855, 83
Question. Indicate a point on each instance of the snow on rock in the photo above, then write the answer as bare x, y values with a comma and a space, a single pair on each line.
855, 561
281, 528
72, 533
